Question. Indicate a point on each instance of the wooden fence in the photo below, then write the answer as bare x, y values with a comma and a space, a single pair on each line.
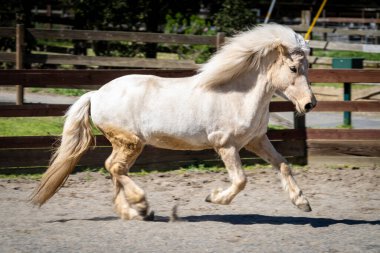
349, 20
340, 46
20, 58
23, 35
298, 145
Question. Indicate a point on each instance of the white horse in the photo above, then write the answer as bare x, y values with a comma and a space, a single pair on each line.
224, 107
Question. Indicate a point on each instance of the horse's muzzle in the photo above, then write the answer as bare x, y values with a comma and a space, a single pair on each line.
310, 106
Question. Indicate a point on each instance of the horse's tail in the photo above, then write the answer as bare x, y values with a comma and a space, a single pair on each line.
76, 139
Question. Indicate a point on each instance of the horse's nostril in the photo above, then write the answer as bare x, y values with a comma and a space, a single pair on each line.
308, 106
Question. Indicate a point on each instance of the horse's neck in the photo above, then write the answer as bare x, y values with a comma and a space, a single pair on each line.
257, 98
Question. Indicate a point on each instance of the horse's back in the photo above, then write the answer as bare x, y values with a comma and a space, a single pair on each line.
146, 105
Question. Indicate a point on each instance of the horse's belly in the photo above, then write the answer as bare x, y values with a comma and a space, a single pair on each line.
176, 143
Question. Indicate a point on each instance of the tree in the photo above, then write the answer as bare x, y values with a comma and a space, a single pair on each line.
233, 16
131, 15
137, 15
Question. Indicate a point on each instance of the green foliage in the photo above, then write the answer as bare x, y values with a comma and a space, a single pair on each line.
118, 49
190, 25
235, 15
8, 19
193, 24
132, 15
92, 14
135, 15
55, 43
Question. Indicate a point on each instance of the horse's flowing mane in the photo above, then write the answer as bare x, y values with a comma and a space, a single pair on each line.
244, 52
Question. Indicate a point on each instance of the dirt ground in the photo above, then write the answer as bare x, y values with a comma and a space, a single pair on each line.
345, 216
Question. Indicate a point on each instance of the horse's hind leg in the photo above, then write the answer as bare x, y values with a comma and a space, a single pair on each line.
231, 159
263, 148
129, 199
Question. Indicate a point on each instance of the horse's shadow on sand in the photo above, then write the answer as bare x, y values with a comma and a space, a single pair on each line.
252, 219
248, 219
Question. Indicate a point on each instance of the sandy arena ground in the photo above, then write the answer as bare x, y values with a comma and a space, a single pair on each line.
345, 216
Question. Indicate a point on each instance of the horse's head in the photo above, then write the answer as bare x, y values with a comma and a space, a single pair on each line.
289, 75
275, 51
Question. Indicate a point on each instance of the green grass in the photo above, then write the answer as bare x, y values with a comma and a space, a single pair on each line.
31, 126
55, 43
34, 126
344, 126
61, 91
346, 54
46, 126
276, 127
21, 176
340, 85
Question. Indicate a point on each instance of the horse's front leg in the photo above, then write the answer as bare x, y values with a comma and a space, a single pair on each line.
264, 148
231, 159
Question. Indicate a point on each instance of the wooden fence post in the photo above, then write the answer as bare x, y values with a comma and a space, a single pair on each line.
324, 25
347, 97
300, 121
300, 124
219, 40
305, 17
377, 38
20, 41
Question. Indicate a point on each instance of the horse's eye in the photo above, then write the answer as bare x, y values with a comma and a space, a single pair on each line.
293, 69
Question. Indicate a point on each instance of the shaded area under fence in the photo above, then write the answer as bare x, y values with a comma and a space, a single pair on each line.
298, 146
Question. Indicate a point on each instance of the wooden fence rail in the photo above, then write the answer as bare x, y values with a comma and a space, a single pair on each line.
35, 151
173, 38
114, 36
42, 110
349, 20
336, 31
17, 142
341, 46
93, 79
318, 60
123, 36
91, 35
76, 78
129, 62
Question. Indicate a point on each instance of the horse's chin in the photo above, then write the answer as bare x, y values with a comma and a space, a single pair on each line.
299, 110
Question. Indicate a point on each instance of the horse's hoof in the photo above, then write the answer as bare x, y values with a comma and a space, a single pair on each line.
304, 207
208, 198
149, 217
